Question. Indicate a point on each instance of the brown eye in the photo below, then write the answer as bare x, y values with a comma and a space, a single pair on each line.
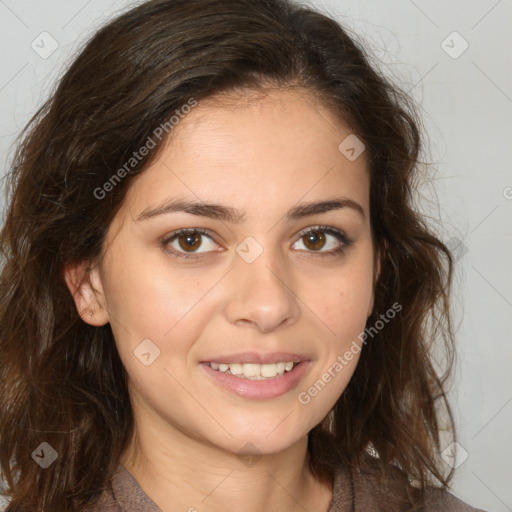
314, 240
186, 243
323, 240
190, 241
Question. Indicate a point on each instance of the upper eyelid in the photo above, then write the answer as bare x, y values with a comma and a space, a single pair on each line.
320, 227
206, 232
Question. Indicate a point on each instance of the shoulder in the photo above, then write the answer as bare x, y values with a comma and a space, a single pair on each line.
373, 491
106, 501
123, 494
436, 499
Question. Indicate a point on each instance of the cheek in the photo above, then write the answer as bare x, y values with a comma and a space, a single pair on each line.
345, 300
147, 298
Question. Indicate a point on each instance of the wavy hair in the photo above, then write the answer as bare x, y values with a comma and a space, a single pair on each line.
62, 380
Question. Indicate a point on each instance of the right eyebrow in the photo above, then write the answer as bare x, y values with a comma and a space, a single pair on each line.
229, 214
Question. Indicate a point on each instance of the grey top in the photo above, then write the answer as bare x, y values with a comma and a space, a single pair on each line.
124, 494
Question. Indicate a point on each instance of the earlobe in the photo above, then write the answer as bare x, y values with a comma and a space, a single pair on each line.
84, 284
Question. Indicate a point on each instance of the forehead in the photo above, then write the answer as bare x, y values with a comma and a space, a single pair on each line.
257, 149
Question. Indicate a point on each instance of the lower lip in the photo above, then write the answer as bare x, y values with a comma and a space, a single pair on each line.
259, 389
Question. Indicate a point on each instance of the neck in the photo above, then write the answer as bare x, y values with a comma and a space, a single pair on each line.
181, 473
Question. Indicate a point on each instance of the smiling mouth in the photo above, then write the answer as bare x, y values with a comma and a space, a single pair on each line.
254, 371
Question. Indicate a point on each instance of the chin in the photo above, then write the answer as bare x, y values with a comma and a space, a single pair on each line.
258, 439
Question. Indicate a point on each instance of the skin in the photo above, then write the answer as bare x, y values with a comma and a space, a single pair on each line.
283, 147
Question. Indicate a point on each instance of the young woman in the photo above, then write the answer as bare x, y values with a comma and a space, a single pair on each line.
215, 293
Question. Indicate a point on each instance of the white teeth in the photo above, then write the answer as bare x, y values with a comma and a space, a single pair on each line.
254, 371
236, 369
251, 369
268, 370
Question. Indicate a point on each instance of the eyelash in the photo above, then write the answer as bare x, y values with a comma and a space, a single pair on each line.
338, 234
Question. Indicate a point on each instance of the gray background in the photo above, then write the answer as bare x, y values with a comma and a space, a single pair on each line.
466, 103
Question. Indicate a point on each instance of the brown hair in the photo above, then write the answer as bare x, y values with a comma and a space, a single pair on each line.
62, 380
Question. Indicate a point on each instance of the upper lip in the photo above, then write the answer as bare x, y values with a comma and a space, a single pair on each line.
254, 357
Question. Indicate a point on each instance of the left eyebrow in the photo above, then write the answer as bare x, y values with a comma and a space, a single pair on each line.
228, 214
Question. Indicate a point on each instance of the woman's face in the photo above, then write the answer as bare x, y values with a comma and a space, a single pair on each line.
264, 286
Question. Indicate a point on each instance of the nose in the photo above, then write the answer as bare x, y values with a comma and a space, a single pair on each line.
261, 294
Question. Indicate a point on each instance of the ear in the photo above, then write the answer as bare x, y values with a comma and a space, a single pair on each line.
85, 285
379, 254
